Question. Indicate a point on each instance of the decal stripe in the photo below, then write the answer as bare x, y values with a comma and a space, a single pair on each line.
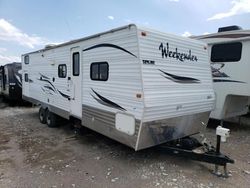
41, 79
110, 46
50, 88
104, 101
43, 76
222, 80
64, 95
179, 79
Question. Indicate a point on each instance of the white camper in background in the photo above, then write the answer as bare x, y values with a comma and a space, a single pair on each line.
229, 51
138, 86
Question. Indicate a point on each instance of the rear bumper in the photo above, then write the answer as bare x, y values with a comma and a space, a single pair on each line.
157, 132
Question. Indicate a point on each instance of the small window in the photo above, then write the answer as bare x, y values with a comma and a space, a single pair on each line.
26, 77
228, 52
99, 71
76, 64
62, 71
26, 59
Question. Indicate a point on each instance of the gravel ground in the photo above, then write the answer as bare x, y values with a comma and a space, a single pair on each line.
33, 155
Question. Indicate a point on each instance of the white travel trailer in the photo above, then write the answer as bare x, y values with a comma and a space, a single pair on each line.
135, 85
230, 63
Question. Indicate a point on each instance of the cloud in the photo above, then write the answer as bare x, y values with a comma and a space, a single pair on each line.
2, 50
10, 33
111, 17
8, 59
206, 33
239, 7
173, 0
186, 34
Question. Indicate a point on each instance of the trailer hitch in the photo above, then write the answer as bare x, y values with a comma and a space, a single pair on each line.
191, 148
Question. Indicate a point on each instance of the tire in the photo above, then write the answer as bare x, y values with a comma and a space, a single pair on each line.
51, 119
42, 115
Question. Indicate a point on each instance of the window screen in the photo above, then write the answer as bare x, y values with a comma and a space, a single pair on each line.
227, 52
62, 71
76, 64
99, 71
26, 59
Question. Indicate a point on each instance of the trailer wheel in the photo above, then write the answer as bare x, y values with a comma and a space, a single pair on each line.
51, 119
42, 115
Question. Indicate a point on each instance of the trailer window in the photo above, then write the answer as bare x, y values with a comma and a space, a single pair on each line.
26, 77
99, 71
76, 64
228, 52
26, 59
62, 71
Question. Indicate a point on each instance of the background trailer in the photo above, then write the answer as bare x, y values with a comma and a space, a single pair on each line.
230, 62
11, 81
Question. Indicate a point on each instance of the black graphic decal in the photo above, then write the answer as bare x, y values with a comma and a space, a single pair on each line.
216, 67
224, 80
64, 95
44, 80
180, 79
166, 52
49, 87
43, 76
110, 46
104, 101
219, 76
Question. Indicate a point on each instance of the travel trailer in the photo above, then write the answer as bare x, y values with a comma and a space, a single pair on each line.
230, 63
138, 86
11, 81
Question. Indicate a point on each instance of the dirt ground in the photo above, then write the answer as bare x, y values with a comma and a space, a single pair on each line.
33, 155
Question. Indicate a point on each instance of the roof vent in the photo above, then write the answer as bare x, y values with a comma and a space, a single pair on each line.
49, 46
229, 28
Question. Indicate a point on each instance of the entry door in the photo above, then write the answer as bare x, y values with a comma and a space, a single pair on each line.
76, 80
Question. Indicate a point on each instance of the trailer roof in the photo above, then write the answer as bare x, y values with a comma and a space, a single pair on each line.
80, 39
228, 35
13, 63
49, 47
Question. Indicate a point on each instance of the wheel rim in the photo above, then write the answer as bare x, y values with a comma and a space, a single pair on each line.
41, 116
48, 120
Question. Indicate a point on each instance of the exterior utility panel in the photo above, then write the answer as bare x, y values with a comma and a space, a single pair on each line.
138, 86
229, 58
